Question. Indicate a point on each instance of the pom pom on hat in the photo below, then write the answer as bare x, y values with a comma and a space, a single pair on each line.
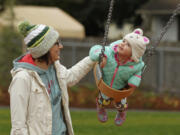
24, 28
138, 43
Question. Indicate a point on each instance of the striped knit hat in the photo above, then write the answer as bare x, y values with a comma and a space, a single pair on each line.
38, 38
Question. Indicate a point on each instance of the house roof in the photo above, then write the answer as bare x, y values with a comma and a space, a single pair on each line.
66, 25
159, 7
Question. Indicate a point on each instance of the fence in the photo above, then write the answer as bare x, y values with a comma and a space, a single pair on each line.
162, 72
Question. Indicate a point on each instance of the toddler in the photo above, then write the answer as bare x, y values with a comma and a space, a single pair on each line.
122, 66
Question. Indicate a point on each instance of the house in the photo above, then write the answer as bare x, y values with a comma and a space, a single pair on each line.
155, 15
66, 25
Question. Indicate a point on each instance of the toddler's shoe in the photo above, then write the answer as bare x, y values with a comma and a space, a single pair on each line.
120, 118
101, 112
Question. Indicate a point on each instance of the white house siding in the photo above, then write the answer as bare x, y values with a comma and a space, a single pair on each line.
158, 22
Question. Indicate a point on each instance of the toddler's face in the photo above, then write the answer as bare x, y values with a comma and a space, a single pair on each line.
124, 49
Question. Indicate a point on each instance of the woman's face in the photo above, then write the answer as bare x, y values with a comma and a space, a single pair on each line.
55, 51
124, 49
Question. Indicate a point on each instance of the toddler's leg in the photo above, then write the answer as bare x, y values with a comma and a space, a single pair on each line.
101, 102
121, 112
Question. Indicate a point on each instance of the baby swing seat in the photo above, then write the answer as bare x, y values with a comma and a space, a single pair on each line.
116, 95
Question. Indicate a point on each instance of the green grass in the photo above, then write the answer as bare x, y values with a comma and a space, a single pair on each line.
137, 123
5, 124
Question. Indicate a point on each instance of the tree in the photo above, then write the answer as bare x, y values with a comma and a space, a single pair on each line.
2, 5
93, 13
10, 48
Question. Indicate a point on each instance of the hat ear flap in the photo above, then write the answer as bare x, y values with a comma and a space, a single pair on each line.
146, 40
138, 31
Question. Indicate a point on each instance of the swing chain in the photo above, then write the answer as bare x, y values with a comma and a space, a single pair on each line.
151, 50
107, 25
106, 33
169, 23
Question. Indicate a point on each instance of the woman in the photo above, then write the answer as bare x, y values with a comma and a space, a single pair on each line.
38, 91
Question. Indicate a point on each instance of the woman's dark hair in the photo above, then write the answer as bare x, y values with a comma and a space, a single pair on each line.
45, 58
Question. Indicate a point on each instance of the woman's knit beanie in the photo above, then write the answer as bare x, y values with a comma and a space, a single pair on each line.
38, 38
138, 43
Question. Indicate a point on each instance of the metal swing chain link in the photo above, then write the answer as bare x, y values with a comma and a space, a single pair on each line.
106, 32
99, 69
107, 24
151, 51
166, 27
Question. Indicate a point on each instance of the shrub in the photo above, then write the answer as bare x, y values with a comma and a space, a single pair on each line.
84, 95
10, 48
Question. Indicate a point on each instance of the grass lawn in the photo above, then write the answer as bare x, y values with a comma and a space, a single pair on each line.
5, 122
137, 123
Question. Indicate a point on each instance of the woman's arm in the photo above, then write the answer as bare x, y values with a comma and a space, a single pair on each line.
78, 71
19, 96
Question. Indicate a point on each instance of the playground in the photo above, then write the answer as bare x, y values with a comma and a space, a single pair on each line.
126, 84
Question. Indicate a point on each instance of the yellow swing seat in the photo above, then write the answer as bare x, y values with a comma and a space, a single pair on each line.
117, 95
